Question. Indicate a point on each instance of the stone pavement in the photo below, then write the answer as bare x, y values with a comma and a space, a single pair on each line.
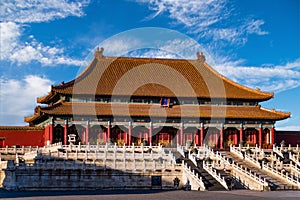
149, 195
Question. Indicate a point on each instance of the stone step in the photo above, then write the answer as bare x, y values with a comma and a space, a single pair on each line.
276, 184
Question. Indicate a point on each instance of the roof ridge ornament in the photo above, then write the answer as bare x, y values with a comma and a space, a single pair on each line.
200, 57
99, 53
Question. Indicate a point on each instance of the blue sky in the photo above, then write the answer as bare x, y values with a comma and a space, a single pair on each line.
254, 42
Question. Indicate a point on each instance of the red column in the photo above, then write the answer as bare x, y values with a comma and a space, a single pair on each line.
196, 138
260, 136
108, 131
201, 134
235, 138
272, 135
216, 139
150, 133
241, 132
65, 132
51, 132
221, 136
181, 134
87, 130
129, 133
254, 138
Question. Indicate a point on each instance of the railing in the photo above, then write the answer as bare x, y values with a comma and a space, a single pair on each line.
244, 148
114, 154
193, 159
204, 152
180, 149
278, 150
252, 160
15, 150
107, 147
236, 151
294, 169
294, 158
214, 174
286, 177
290, 148
194, 175
224, 162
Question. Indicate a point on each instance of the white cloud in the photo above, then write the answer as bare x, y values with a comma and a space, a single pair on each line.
28, 11
120, 45
9, 34
15, 50
189, 12
152, 53
184, 48
15, 13
18, 97
208, 19
270, 78
25, 54
254, 27
136, 43
151, 41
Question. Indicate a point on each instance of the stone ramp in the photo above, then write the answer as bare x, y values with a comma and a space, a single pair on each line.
210, 183
274, 183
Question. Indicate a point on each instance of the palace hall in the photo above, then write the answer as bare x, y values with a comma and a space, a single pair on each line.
155, 101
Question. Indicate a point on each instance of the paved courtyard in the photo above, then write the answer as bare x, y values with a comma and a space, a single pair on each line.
149, 195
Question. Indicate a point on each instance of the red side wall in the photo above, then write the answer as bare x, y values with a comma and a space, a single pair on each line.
22, 137
289, 137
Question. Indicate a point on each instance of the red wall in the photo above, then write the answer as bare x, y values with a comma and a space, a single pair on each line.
290, 137
21, 137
